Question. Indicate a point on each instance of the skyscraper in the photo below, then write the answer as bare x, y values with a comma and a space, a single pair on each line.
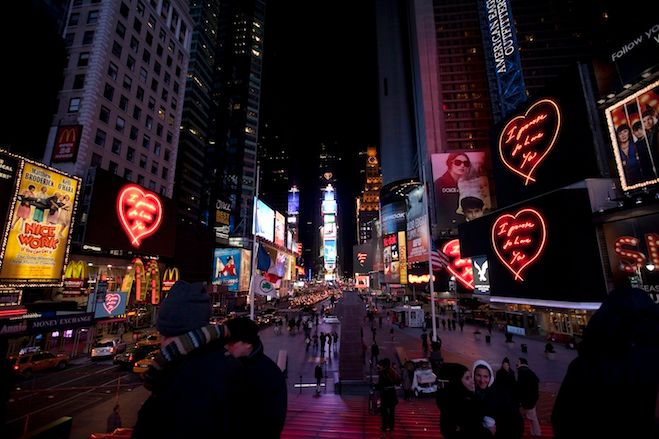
368, 203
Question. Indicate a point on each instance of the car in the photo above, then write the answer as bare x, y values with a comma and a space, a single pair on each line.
25, 364
142, 365
134, 353
424, 381
331, 319
107, 347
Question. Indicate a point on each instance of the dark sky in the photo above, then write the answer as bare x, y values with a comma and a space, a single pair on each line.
320, 85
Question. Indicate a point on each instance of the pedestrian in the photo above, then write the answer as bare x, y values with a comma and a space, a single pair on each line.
436, 359
391, 333
444, 324
454, 323
528, 391
461, 414
323, 339
373, 331
335, 336
611, 389
114, 420
424, 341
329, 344
461, 322
307, 343
510, 424
375, 353
387, 381
315, 340
192, 381
265, 384
318, 374
406, 379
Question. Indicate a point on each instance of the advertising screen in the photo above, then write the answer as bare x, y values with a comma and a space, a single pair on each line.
329, 251
362, 259
107, 304
66, 145
125, 216
462, 186
393, 217
417, 226
391, 258
634, 135
280, 229
329, 230
545, 249
222, 220
231, 267
38, 224
293, 202
265, 221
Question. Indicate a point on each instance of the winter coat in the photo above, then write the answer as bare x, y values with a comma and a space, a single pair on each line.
193, 396
387, 381
461, 414
527, 386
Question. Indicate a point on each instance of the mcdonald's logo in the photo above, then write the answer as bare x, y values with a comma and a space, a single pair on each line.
66, 145
76, 270
169, 278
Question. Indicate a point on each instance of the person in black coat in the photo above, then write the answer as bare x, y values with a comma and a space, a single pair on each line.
612, 388
265, 387
528, 391
387, 380
194, 385
510, 423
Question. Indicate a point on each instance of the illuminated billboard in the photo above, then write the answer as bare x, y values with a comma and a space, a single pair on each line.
231, 267
265, 221
362, 260
417, 226
41, 204
293, 201
329, 231
329, 252
391, 257
280, 229
107, 304
634, 134
67, 141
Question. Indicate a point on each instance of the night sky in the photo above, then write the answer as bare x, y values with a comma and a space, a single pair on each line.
320, 85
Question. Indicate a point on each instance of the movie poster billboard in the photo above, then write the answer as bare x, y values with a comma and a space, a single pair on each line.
417, 226
280, 229
634, 134
265, 221
391, 258
231, 267
462, 187
38, 226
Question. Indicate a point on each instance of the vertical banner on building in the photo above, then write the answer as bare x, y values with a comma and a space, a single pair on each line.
402, 257
67, 141
418, 241
36, 238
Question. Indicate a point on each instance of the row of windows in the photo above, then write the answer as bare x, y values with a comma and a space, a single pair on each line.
113, 167
116, 148
108, 93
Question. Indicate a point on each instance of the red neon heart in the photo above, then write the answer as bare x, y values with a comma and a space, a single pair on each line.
526, 140
140, 213
519, 239
459, 267
112, 301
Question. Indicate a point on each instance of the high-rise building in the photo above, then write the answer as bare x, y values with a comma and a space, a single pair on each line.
237, 90
368, 203
274, 169
123, 89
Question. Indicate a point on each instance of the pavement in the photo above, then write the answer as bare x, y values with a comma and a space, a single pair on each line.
457, 346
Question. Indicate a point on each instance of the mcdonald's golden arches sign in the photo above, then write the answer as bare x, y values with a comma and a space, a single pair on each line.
66, 144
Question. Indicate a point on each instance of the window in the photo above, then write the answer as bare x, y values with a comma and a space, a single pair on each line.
74, 105
165, 8
133, 133
140, 9
113, 167
169, 137
116, 146
108, 92
123, 103
149, 38
78, 82
157, 67
105, 114
165, 172
156, 149
162, 35
96, 160
130, 154
137, 25
142, 161
88, 37
154, 85
151, 22
167, 78
92, 17
116, 49
154, 168
74, 19
152, 185
134, 44
169, 61
149, 122
124, 10
68, 39
137, 112
175, 87
174, 21
174, 103
146, 56
99, 139
159, 50
159, 129
178, 70
128, 174
128, 82
120, 29
151, 103
83, 59
130, 63
143, 75
163, 190
140, 180
167, 154
161, 112
112, 70
120, 124
146, 141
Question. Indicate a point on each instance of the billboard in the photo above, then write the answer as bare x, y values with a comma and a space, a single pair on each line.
392, 216
362, 258
125, 216
222, 221
417, 226
106, 304
329, 251
231, 267
391, 258
293, 201
67, 141
329, 230
265, 221
38, 222
462, 187
634, 134
280, 230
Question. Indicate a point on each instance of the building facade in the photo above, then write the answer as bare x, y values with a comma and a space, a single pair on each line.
368, 203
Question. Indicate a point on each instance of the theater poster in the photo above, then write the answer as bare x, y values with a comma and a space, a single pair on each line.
37, 232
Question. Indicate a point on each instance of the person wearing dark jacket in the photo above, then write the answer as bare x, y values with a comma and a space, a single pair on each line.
528, 392
510, 423
387, 380
461, 413
194, 385
498, 401
612, 388
265, 387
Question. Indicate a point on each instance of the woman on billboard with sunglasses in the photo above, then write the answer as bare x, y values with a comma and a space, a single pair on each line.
446, 187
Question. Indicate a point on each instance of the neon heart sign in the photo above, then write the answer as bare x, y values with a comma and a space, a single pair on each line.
526, 140
519, 239
112, 302
459, 267
140, 213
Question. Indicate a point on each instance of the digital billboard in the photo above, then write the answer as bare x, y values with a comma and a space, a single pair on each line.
67, 141
293, 201
222, 221
38, 222
391, 258
462, 186
126, 216
265, 221
392, 216
280, 229
418, 240
329, 231
231, 267
634, 134
329, 252
107, 304
362, 258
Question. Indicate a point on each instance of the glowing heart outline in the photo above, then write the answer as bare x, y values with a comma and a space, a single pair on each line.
115, 301
469, 270
136, 238
529, 177
517, 273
